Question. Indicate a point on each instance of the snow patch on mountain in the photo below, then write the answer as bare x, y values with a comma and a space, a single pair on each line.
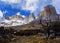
16, 20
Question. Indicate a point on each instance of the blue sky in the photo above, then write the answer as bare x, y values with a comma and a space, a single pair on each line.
25, 7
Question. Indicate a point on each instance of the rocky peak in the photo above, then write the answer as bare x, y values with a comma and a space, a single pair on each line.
50, 10
31, 17
41, 14
17, 17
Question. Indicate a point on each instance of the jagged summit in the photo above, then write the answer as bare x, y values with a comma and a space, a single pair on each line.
49, 13
50, 10
16, 20
16, 16
31, 17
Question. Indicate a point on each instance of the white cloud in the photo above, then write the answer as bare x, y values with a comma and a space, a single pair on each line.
56, 4
11, 1
34, 5
31, 5
1, 14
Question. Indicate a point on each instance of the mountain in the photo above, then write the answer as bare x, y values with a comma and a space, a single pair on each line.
50, 10
31, 17
16, 20
49, 13
16, 17
26, 20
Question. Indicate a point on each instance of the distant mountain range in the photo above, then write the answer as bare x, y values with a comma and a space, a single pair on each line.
49, 14
16, 20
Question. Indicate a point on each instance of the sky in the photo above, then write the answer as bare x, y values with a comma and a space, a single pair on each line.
25, 7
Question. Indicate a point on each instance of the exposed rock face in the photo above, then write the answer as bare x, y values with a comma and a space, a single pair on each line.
50, 10
17, 20
49, 13
42, 15
31, 17
26, 20
16, 17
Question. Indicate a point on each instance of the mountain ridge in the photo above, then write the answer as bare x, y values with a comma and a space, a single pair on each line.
45, 15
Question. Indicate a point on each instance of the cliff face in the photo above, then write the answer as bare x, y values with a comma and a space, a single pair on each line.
50, 10
49, 13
